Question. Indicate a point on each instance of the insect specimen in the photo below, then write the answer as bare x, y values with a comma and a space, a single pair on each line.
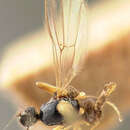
68, 108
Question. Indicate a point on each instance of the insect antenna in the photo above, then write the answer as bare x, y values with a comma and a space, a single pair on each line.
106, 92
9, 123
102, 99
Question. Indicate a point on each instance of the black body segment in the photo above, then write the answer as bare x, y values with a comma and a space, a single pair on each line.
49, 114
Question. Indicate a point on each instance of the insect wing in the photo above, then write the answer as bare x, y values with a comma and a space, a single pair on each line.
65, 21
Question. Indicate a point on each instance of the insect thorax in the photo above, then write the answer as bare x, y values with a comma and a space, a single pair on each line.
67, 92
49, 114
91, 115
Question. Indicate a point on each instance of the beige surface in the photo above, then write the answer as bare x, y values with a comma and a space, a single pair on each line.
29, 60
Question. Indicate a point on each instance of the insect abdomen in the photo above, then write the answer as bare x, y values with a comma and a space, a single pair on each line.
90, 114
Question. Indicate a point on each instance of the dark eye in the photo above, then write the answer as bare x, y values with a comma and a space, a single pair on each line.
23, 120
27, 120
30, 110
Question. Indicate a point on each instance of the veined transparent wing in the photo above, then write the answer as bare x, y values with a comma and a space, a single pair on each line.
67, 25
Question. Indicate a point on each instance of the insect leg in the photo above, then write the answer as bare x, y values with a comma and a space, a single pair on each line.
77, 125
59, 128
64, 128
68, 127
96, 124
80, 125
116, 110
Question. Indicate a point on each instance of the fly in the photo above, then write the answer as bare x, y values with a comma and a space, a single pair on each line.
68, 108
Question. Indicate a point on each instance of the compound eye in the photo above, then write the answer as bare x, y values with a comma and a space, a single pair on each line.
23, 119
30, 110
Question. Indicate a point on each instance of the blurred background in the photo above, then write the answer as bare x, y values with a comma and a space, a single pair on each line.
25, 58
